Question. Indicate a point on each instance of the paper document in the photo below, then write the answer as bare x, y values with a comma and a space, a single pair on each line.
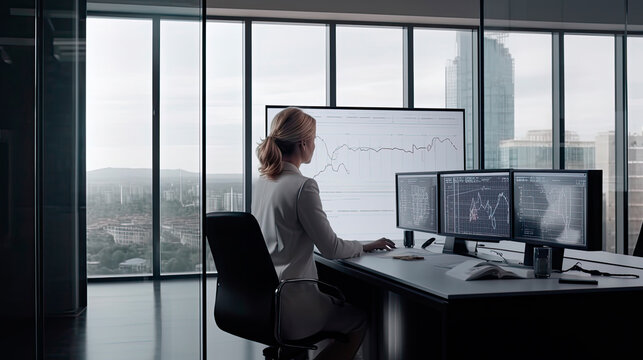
482, 269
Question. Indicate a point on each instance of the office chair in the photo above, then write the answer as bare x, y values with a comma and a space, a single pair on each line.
638, 249
248, 292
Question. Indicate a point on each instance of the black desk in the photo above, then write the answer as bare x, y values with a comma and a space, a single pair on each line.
418, 312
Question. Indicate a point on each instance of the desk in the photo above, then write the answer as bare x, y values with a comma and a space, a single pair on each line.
418, 312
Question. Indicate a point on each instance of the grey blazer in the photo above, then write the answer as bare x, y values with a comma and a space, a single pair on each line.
290, 214
291, 217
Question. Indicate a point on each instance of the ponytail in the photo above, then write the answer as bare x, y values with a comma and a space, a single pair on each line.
270, 158
289, 127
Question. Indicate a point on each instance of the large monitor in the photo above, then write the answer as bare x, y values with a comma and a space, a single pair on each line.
359, 151
417, 201
561, 209
476, 204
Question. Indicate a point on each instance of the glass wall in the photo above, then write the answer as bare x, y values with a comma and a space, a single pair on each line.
119, 146
369, 66
288, 68
518, 100
590, 116
635, 137
444, 72
520, 80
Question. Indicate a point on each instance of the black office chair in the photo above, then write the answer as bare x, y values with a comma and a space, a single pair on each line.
248, 291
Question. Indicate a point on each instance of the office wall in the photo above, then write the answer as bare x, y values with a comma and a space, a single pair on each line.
17, 182
41, 169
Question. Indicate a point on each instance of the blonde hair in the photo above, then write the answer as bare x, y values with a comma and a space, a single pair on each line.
289, 127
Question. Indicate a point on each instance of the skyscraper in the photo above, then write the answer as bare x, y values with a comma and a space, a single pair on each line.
459, 85
498, 92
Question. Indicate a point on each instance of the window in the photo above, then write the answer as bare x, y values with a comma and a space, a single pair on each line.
288, 68
444, 74
590, 116
635, 138
369, 66
119, 146
518, 100
224, 112
180, 126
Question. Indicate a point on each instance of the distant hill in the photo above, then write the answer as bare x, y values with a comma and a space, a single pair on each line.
144, 176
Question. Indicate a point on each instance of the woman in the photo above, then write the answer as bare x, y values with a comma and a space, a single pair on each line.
289, 211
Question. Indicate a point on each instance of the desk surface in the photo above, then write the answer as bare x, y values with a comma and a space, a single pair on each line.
429, 276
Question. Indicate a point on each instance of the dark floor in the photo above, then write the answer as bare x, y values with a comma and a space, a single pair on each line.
144, 320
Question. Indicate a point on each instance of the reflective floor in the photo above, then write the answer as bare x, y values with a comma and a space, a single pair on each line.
143, 320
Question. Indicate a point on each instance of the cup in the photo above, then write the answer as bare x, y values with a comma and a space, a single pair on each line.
542, 262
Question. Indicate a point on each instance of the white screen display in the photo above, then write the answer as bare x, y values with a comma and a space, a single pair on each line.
358, 152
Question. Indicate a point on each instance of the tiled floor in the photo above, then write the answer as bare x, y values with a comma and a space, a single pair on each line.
144, 320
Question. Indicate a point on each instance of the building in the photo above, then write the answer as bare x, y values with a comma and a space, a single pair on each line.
459, 85
130, 233
498, 92
134, 265
535, 151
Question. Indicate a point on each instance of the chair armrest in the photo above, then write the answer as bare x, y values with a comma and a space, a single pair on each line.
279, 289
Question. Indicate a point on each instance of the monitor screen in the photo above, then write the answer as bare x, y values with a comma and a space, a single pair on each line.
417, 201
550, 208
359, 151
476, 205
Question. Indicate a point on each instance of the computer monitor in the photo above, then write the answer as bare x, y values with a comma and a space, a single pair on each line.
359, 151
416, 202
474, 205
558, 208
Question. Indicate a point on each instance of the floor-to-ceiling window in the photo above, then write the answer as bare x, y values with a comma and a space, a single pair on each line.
224, 118
369, 66
288, 68
180, 127
119, 146
444, 72
635, 138
590, 116
517, 100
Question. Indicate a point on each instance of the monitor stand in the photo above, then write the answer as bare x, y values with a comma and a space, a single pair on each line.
454, 245
557, 255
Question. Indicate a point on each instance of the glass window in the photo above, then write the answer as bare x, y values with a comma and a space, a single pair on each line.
518, 100
590, 115
180, 124
443, 74
635, 139
288, 68
369, 66
119, 146
224, 113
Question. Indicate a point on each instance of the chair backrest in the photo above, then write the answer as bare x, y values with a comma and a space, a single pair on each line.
246, 281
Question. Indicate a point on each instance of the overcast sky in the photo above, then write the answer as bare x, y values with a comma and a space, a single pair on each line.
289, 67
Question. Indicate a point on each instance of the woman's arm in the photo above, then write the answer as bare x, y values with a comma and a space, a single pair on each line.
315, 223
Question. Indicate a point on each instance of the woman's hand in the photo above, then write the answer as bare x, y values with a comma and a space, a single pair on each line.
382, 243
